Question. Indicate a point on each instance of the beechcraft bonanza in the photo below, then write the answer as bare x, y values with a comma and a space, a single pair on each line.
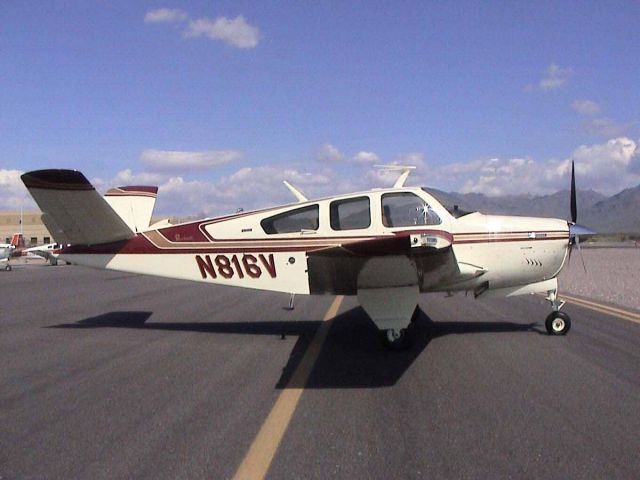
384, 245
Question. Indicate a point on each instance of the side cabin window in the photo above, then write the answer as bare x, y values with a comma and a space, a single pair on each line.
305, 218
405, 209
350, 214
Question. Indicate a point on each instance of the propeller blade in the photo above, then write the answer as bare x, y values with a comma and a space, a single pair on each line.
584, 265
574, 202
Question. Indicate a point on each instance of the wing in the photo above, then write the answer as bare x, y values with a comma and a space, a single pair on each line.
336, 269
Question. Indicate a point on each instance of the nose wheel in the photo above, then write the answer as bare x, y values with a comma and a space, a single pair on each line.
557, 323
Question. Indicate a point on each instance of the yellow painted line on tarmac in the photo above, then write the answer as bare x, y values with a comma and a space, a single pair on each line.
256, 462
598, 307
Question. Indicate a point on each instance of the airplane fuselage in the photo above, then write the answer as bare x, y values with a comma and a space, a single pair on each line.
322, 246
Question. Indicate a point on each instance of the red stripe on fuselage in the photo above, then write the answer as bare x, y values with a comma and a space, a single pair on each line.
140, 244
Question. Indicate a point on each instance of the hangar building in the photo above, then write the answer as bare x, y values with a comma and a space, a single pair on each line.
31, 226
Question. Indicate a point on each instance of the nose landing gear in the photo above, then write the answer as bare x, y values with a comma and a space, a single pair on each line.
557, 323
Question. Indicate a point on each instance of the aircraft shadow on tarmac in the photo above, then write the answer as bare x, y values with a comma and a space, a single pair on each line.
351, 357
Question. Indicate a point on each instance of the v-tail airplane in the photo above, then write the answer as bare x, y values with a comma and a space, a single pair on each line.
385, 246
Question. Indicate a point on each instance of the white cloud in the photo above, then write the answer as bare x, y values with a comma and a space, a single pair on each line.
165, 15
235, 32
554, 78
496, 176
614, 154
606, 128
127, 177
13, 194
365, 158
585, 107
606, 167
167, 160
329, 154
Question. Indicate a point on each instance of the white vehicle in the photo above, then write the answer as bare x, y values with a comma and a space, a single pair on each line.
385, 245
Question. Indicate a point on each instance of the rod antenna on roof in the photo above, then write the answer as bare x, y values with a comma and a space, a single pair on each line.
296, 193
404, 170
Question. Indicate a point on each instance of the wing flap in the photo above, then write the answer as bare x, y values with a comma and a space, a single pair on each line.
73, 210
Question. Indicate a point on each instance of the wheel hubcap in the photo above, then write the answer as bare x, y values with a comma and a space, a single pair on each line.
393, 335
558, 324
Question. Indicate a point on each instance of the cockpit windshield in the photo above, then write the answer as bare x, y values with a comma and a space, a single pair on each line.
404, 209
448, 201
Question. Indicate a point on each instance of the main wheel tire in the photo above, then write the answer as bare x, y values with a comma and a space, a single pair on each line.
8, 268
558, 323
395, 339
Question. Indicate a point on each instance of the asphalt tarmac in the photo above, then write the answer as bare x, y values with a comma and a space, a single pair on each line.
111, 375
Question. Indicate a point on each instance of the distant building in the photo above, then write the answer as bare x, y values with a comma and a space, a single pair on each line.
32, 228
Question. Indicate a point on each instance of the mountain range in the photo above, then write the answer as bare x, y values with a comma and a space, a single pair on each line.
619, 213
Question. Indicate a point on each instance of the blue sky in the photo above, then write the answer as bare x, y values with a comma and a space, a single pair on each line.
217, 102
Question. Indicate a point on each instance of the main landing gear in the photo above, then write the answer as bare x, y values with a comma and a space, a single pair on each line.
399, 338
388, 291
557, 323
8, 268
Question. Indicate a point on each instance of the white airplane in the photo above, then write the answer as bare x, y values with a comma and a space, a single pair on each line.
10, 250
49, 252
384, 245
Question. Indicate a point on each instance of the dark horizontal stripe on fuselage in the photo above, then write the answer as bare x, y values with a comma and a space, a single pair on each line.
141, 244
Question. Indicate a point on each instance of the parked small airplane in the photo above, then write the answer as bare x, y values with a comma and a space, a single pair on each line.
49, 252
9, 250
384, 245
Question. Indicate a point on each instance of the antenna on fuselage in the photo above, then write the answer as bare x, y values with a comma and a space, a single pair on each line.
404, 170
296, 193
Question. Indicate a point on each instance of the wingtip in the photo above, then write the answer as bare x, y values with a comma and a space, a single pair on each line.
56, 179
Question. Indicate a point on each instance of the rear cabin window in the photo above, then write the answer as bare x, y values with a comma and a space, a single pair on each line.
404, 209
350, 214
305, 218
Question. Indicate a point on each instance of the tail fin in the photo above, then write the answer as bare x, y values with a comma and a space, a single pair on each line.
133, 204
72, 209
17, 240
